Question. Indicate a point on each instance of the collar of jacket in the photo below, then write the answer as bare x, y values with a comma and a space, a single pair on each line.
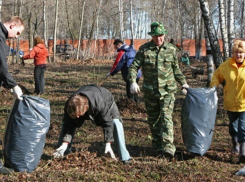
154, 46
123, 47
233, 62
4, 30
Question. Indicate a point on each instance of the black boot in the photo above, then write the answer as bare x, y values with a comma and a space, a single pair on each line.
235, 148
242, 152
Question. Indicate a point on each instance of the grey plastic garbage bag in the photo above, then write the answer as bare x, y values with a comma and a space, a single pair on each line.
25, 133
198, 118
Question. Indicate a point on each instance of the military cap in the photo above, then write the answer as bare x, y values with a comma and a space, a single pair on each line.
157, 29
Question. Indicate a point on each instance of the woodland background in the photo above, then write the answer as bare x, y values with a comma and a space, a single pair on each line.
129, 19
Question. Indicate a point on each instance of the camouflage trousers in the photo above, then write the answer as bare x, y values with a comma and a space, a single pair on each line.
159, 111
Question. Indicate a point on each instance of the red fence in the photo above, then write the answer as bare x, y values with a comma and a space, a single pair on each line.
105, 47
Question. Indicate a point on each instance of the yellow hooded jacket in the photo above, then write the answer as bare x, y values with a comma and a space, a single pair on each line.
234, 84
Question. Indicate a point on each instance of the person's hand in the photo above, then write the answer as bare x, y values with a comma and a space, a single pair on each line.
134, 88
61, 150
108, 74
215, 88
184, 88
109, 149
17, 92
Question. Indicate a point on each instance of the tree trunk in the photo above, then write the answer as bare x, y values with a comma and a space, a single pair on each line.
209, 59
80, 31
131, 23
223, 29
120, 8
210, 69
197, 30
1, 2
30, 30
45, 24
68, 21
211, 33
55, 27
242, 19
97, 28
18, 39
231, 32
199, 39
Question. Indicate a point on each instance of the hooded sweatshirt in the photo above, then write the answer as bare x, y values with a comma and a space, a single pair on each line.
39, 53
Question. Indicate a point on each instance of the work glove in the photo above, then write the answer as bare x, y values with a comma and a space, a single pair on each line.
17, 92
109, 149
61, 150
108, 74
134, 88
184, 87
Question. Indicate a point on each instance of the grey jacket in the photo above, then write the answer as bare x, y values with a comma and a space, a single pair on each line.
102, 111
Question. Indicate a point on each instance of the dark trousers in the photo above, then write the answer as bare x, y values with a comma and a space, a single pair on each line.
133, 97
237, 125
39, 78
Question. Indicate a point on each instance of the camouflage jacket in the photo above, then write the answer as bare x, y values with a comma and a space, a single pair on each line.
160, 69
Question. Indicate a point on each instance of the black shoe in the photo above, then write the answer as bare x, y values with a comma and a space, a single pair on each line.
164, 154
168, 156
242, 152
5, 170
127, 161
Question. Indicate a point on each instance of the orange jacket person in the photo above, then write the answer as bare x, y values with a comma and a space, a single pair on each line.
40, 54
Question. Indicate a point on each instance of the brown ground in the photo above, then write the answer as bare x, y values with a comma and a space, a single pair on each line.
88, 163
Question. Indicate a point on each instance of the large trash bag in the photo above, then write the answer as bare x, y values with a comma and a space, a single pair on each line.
198, 119
25, 133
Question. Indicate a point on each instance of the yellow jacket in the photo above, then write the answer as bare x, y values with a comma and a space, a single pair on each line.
233, 80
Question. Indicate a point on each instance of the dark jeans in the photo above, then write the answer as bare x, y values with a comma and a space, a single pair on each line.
133, 97
39, 78
237, 125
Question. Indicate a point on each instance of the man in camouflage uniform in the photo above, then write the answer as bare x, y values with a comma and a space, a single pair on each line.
160, 71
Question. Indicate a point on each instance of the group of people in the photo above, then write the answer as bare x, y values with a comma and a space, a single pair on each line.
159, 65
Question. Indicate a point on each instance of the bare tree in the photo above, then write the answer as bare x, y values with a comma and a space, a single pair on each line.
121, 25
55, 27
20, 2
68, 21
231, 33
222, 18
131, 22
80, 31
211, 33
45, 24
242, 19
209, 59
0, 10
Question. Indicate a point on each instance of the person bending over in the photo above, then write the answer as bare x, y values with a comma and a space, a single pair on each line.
97, 104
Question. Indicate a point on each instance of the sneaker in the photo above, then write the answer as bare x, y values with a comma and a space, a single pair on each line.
5, 170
